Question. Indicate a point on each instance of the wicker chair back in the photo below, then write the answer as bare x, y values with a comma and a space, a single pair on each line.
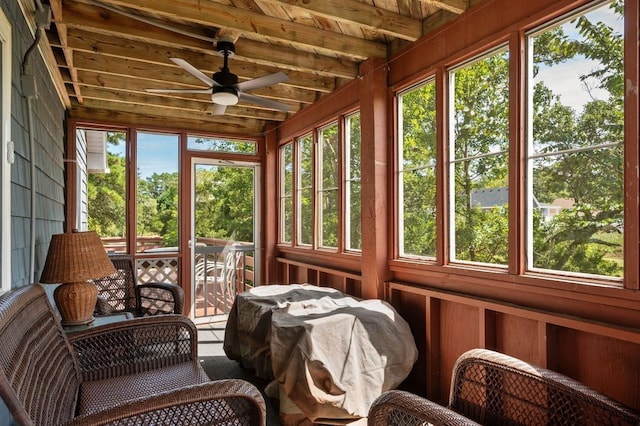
38, 387
496, 389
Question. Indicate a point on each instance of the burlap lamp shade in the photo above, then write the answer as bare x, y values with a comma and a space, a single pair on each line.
74, 258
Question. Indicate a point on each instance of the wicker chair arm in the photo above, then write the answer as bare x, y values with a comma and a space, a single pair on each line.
231, 401
157, 298
139, 344
403, 408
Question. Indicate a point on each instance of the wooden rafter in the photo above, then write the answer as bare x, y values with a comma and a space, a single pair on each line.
259, 25
363, 14
105, 54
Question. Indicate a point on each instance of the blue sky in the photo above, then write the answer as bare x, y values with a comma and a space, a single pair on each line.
563, 78
157, 153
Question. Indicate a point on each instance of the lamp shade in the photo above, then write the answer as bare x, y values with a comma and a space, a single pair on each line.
76, 256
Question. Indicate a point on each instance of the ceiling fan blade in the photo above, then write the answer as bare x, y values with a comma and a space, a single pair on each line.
264, 81
267, 103
194, 71
217, 109
178, 90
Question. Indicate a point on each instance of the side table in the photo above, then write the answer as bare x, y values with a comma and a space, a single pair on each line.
100, 320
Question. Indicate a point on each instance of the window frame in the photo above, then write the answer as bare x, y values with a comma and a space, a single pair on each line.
310, 137
531, 156
314, 136
401, 170
452, 161
282, 194
320, 190
516, 271
347, 162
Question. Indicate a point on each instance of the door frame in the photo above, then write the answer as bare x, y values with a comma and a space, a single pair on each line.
189, 275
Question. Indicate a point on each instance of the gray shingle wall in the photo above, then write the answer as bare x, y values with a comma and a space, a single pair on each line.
48, 179
48, 114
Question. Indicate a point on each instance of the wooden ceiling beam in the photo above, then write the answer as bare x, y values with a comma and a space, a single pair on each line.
201, 105
84, 41
56, 12
362, 14
116, 82
103, 21
455, 6
259, 25
154, 76
132, 117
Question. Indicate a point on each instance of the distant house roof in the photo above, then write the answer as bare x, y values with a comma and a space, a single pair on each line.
493, 197
490, 197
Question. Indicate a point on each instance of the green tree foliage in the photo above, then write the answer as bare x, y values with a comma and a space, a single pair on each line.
224, 203
330, 181
287, 188
481, 114
106, 194
158, 207
305, 196
418, 163
576, 239
355, 173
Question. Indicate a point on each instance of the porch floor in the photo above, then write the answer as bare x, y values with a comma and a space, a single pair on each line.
218, 366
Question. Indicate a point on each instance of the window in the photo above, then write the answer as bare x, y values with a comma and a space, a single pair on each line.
286, 193
304, 191
327, 192
417, 171
324, 168
7, 152
353, 200
157, 191
575, 134
479, 140
104, 171
201, 143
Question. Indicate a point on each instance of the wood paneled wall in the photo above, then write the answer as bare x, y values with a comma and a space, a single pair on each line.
294, 272
600, 355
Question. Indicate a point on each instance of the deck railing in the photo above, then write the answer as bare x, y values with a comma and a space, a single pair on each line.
222, 269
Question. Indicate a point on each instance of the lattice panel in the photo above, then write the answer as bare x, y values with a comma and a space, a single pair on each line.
163, 270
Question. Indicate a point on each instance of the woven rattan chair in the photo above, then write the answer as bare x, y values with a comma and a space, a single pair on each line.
491, 388
120, 292
140, 371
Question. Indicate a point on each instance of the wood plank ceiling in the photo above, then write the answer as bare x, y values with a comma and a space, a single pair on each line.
108, 52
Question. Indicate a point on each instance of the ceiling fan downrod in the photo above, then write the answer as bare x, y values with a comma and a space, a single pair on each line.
224, 77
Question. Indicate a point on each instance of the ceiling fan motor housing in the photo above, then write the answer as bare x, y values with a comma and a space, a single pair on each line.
225, 78
226, 48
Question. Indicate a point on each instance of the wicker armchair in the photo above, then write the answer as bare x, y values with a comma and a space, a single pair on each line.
491, 388
120, 292
140, 371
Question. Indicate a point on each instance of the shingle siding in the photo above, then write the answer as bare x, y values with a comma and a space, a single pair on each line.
48, 123
48, 118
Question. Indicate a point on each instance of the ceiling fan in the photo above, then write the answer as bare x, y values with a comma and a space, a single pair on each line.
224, 87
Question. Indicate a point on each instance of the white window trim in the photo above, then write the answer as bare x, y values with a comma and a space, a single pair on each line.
6, 157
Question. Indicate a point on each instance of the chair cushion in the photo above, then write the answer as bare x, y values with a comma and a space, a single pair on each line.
102, 394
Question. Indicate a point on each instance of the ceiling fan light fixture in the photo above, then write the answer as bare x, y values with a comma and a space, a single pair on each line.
224, 96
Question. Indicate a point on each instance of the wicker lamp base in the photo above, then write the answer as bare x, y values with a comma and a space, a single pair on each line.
76, 302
